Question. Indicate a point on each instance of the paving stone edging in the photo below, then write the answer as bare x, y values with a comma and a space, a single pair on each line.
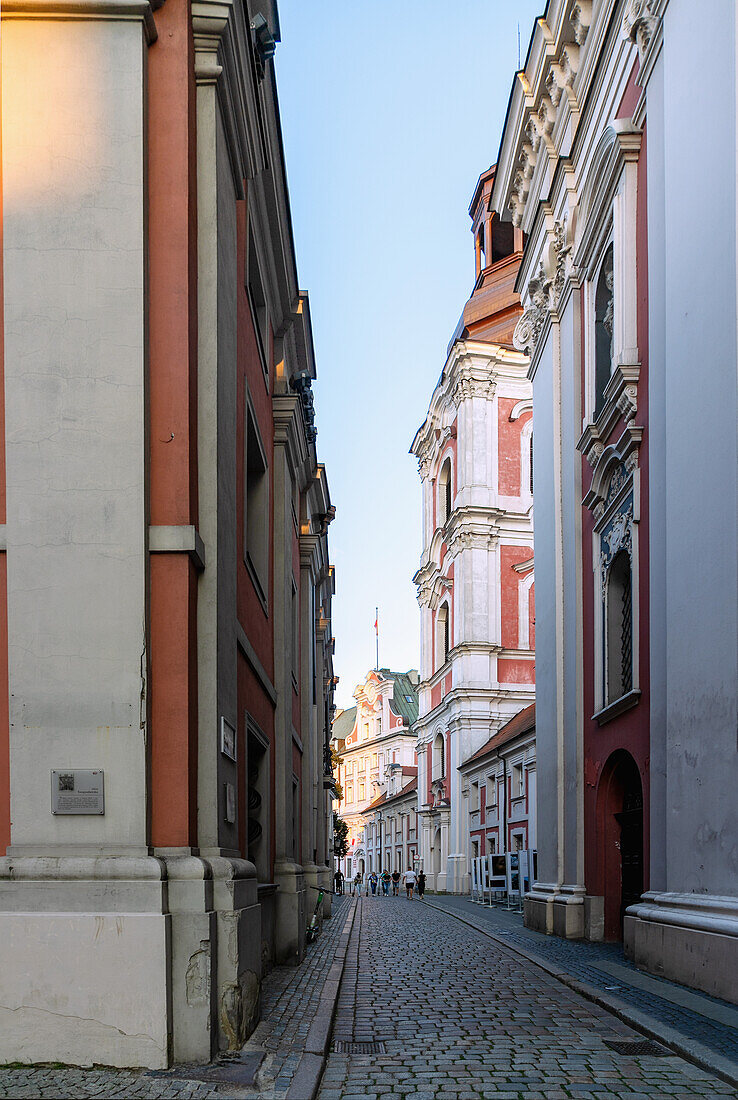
689, 1049
306, 1080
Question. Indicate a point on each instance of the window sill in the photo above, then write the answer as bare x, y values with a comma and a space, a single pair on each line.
259, 587
619, 706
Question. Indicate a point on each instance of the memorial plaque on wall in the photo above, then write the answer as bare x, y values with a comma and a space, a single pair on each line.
77, 792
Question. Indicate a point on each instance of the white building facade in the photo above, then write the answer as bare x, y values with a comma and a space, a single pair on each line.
475, 581
633, 363
391, 823
375, 742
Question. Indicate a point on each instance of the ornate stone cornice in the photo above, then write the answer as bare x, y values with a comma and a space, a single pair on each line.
86, 9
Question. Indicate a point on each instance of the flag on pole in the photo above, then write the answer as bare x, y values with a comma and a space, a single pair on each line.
376, 631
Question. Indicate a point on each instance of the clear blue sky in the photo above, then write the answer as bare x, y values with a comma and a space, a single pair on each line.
390, 111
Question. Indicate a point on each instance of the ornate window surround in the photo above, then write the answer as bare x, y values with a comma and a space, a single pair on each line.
614, 499
607, 214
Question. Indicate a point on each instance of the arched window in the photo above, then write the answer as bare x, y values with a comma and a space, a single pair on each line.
531, 463
439, 757
604, 306
526, 458
444, 492
619, 627
443, 635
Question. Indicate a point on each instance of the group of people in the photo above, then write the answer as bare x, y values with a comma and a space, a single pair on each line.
411, 880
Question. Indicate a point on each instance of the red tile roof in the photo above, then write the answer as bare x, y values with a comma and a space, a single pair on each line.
383, 800
523, 722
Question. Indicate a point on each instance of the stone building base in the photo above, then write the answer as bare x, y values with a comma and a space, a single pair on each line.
558, 912
127, 960
688, 938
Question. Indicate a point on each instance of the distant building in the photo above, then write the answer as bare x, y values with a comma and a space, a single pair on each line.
374, 739
632, 340
391, 829
498, 789
475, 581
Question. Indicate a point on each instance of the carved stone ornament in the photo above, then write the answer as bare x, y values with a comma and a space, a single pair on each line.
545, 293
561, 251
580, 19
617, 537
618, 479
639, 24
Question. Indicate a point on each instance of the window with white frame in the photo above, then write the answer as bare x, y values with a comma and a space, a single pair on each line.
444, 492
439, 761
443, 634
614, 494
491, 790
525, 584
604, 312
518, 780
526, 458
474, 801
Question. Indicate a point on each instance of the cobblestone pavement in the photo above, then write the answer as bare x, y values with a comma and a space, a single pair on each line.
604, 965
289, 996
462, 1018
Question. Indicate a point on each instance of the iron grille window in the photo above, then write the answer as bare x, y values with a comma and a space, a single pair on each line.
619, 627
626, 635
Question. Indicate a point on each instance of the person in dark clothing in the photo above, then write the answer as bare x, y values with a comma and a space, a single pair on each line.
421, 885
338, 882
395, 884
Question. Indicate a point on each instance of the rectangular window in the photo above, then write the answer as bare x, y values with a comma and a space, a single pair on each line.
361, 790
474, 797
491, 790
256, 508
295, 636
374, 760
491, 846
257, 302
296, 818
517, 780
349, 792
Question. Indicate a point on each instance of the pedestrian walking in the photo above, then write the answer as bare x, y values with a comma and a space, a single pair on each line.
395, 884
421, 885
338, 882
358, 883
410, 879
385, 882
373, 881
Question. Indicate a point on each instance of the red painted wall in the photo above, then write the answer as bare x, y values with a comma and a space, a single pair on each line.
630, 731
508, 435
172, 404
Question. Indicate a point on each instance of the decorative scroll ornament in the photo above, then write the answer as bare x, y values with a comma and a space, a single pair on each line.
545, 292
639, 24
580, 19
528, 328
619, 536
560, 250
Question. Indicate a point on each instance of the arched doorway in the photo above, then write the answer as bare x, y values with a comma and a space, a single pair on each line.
437, 853
620, 838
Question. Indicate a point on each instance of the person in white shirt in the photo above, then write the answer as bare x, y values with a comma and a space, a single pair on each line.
410, 878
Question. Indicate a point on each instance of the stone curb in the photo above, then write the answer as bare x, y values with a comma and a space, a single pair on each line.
306, 1080
689, 1049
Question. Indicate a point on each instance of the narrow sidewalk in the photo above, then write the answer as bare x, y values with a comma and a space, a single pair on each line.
701, 1028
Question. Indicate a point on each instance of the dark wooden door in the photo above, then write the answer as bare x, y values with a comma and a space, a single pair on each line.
630, 820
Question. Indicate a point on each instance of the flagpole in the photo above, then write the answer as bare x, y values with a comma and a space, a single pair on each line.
376, 628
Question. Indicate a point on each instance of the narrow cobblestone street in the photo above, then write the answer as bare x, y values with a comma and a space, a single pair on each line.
456, 1016
460, 1018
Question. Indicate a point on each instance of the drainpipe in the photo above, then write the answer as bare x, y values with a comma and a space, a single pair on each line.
504, 801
